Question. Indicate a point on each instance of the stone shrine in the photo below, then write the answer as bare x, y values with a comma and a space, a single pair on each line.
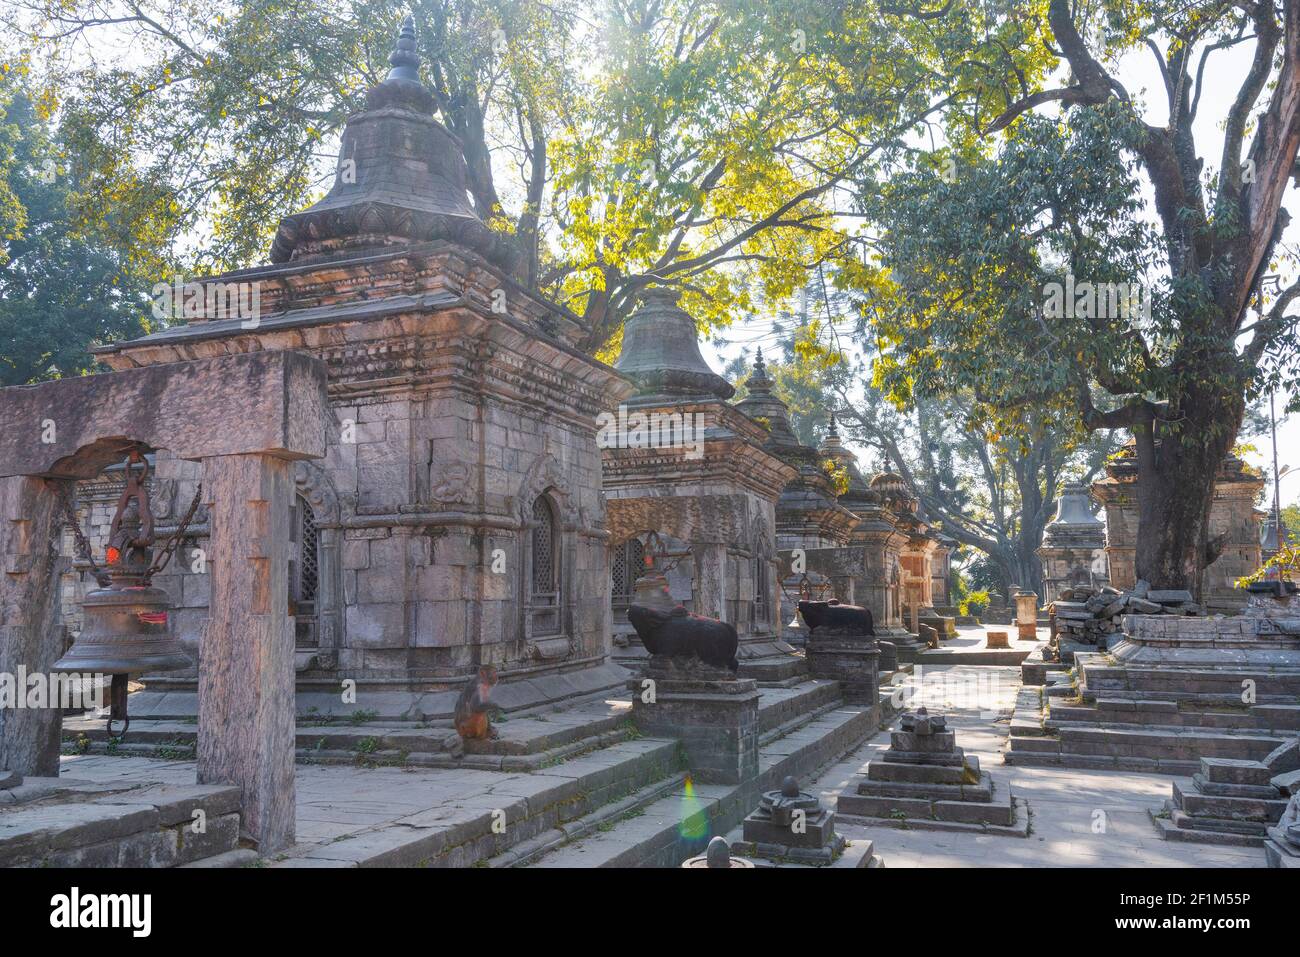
456, 519
682, 463
1073, 550
925, 781
790, 824
1234, 528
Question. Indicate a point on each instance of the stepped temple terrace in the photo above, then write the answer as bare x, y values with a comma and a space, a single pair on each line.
590, 538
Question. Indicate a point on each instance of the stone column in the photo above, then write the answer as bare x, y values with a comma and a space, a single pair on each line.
1027, 615
246, 665
710, 580
31, 633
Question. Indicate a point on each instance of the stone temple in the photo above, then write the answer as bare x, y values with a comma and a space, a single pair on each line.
426, 524
457, 517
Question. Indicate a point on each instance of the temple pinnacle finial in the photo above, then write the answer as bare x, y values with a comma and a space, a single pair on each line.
404, 60
758, 360
833, 431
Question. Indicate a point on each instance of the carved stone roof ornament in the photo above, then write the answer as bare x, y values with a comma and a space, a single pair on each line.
401, 177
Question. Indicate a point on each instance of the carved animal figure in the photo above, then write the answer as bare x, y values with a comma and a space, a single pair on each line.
831, 616
678, 633
475, 705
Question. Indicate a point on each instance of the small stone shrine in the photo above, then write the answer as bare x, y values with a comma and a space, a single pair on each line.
925, 781
792, 825
1228, 801
1073, 552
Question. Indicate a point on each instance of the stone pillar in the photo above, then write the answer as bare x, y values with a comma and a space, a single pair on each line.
1027, 615
246, 664
712, 715
852, 660
31, 633
710, 580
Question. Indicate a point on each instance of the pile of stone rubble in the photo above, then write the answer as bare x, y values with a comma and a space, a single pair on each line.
1089, 615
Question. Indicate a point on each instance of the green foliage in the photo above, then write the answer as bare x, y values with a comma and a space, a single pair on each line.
975, 603
63, 285
1285, 565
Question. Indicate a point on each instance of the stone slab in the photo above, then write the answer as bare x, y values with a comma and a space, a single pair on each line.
271, 402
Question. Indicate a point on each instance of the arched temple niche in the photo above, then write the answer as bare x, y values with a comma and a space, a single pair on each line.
547, 545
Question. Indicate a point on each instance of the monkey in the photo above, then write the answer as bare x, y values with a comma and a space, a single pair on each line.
475, 704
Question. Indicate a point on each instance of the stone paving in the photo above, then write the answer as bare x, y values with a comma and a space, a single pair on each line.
1079, 818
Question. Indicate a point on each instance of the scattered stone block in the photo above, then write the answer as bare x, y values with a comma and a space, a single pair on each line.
997, 639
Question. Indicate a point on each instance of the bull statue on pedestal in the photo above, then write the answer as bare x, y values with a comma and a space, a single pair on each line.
679, 634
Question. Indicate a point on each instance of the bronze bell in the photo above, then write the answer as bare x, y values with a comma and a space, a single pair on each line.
126, 629
650, 590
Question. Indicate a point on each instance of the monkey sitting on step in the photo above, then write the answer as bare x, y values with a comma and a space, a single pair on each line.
475, 705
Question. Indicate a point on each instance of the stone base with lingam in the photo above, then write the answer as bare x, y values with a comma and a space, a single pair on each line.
791, 825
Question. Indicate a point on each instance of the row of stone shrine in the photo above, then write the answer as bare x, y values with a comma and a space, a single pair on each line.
469, 509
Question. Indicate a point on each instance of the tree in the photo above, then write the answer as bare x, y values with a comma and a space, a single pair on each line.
61, 289
705, 145
1032, 273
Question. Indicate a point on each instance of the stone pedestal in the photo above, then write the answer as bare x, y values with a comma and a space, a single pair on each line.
712, 714
997, 639
1027, 616
852, 660
888, 656
790, 824
925, 781
246, 674
1227, 802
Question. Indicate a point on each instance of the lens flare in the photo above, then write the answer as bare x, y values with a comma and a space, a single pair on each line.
694, 823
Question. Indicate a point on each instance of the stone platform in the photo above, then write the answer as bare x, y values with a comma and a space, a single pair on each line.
1171, 691
1226, 802
924, 780
56, 822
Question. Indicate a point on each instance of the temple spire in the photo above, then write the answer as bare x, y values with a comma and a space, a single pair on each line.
405, 61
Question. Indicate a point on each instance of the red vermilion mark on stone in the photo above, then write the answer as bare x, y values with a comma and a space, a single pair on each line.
113, 555
153, 617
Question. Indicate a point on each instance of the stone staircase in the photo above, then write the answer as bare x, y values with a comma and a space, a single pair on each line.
1158, 719
802, 728
561, 785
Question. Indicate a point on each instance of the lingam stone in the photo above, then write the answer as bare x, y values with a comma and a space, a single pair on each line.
717, 855
790, 824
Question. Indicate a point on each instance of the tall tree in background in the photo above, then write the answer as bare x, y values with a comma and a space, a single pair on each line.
61, 288
999, 265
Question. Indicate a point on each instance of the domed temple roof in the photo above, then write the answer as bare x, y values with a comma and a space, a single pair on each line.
401, 177
661, 350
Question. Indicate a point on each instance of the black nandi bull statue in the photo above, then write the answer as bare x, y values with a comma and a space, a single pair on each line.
679, 634
832, 618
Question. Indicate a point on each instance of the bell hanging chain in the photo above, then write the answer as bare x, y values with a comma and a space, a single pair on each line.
165, 555
82, 544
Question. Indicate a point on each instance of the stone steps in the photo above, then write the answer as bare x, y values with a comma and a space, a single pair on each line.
157, 826
1155, 750
678, 825
462, 836
1130, 712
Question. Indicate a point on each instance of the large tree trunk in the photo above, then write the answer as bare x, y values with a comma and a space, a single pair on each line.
1176, 481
